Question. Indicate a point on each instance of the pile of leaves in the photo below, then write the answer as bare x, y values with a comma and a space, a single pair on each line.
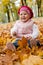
5, 33
23, 55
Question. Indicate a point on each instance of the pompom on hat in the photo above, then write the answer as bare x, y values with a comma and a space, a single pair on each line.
27, 9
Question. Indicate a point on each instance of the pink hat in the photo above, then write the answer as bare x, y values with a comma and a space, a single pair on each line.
27, 9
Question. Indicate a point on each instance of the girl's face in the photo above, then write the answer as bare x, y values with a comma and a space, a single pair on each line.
24, 16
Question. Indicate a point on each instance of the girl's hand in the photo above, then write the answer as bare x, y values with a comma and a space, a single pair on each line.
14, 34
29, 38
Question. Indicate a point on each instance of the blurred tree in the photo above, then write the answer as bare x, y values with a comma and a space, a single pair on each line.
5, 2
35, 8
14, 11
1, 13
23, 2
5, 5
29, 3
39, 6
10, 8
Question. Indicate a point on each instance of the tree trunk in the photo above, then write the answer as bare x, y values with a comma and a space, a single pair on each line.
39, 6
23, 2
8, 14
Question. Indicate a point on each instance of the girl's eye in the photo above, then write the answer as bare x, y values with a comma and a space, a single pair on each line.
23, 14
20, 14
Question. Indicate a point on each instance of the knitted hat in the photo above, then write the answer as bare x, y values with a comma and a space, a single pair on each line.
27, 9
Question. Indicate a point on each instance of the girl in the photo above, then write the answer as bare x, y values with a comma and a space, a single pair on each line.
25, 26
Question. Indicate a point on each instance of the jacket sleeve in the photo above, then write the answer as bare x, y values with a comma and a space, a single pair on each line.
35, 31
13, 29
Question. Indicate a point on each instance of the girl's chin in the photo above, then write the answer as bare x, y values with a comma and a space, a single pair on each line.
24, 20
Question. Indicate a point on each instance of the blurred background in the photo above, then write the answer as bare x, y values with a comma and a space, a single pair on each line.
9, 9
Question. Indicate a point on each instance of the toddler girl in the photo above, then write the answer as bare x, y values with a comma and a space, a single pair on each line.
25, 26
